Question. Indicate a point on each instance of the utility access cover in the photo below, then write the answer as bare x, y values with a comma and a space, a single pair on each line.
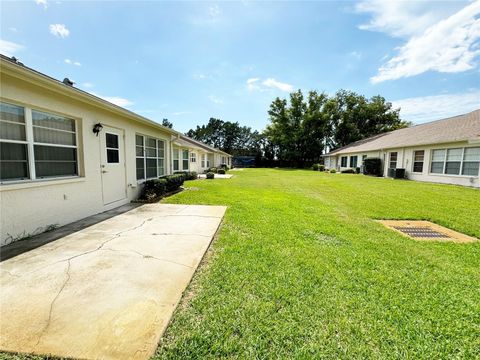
426, 230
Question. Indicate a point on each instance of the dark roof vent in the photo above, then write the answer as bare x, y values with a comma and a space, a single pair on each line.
68, 82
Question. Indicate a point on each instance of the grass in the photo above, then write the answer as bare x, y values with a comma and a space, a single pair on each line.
301, 270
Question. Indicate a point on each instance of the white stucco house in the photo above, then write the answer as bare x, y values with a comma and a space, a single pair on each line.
66, 154
443, 151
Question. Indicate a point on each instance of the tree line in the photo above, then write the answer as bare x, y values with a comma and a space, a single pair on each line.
303, 127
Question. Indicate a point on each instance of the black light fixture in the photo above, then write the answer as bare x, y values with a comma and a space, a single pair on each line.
97, 128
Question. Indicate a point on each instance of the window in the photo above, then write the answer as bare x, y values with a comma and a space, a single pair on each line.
438, 161
176, 160
454, 161
418, 157
193, 157
393, 160
35, 144
204, 160
353, 161
471, 161
113, 151
150, 157
224, 160
13, 143
343, 161
185, 160
457, 161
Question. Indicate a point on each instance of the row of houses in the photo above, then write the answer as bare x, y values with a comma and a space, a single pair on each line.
442, 151
67, 154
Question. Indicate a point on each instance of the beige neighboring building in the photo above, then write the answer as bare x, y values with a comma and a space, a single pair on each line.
55, 169
442, 151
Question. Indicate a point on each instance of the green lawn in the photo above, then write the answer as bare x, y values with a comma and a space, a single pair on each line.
301, 270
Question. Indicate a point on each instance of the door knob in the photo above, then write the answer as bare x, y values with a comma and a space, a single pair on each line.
104, 171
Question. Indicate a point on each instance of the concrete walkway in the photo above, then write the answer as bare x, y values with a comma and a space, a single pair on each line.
109, 290
217, 176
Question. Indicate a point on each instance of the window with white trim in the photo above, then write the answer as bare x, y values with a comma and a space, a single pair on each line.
150, 157
185, 159
224, 160
392, 164
353, 161
36, 144
418, 158
193, 157
176, 159
204, 160
343, 161
456, 161
112, 148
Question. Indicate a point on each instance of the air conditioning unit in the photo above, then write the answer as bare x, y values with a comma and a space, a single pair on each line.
396, 173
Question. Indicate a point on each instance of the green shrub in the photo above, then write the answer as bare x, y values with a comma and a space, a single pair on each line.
210, 175
212, 170
315, 167
224, 167
348, 171
221, 171
154, 188
189, 175
321, 167
174, 181
357, 170
333, 171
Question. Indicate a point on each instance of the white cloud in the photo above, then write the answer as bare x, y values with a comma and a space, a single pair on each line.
274, 84
439, 37
88, 85
59, 30
268, 84
115, 100
214, 11
70, 62
427, 108
215, 99
400, 18
44, 3
9, 48
449, 46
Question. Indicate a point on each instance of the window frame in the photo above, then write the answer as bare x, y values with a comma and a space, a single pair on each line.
346, 161
30, 143
414, 162
351, 161
445, 156
145, 157
110, 148
193, 157
185, 159
390, 159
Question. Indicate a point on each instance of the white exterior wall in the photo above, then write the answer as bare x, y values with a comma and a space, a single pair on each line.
405, 161
197, 166
27, 206
369, 154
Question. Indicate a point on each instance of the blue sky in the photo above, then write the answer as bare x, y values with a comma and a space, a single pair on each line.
189, 61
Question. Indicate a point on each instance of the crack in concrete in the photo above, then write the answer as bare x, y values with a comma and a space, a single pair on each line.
10, 273
69, 260
146, 256
172, 234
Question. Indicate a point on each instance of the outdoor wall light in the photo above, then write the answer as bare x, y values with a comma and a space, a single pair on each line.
97, 128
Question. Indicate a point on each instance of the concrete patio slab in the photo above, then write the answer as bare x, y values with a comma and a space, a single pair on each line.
107, 291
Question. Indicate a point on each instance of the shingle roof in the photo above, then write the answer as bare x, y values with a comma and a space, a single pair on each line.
458, 128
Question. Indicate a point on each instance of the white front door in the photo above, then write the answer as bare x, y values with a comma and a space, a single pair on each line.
112, 157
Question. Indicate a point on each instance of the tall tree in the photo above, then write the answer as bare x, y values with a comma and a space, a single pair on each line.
167, 123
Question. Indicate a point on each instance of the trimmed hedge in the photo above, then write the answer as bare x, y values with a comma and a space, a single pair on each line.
321, 167
348, 171
157, 187
189, 175
221, 171
315, 167
210, 175
333, 171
